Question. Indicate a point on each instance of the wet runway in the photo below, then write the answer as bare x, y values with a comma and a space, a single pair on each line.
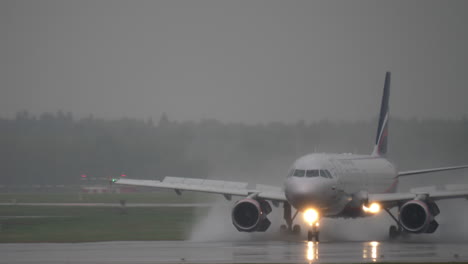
231, 252
113, 204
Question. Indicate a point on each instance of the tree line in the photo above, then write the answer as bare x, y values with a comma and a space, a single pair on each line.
56, 148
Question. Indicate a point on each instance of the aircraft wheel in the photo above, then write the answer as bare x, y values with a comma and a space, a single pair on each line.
296, 229
393, 232
283, 229
311, 235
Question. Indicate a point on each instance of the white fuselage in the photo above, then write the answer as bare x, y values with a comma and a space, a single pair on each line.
341, 185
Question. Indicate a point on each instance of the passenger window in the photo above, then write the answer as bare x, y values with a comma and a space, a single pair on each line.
299, 173
312, 173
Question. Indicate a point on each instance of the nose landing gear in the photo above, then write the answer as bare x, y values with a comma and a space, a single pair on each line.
313, 233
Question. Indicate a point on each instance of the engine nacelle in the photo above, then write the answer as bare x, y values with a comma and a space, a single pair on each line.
250, 215
417, 216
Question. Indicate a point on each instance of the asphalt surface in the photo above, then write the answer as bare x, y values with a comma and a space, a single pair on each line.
231, 252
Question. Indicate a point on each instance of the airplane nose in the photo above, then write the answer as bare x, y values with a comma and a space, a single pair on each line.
303, 192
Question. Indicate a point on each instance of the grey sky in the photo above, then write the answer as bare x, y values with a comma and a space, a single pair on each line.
236, 61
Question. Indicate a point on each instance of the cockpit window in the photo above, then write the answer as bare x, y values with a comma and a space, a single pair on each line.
312, 173
299, 173
325, 173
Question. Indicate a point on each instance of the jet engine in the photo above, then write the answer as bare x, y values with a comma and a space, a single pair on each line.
249, 215
417, 216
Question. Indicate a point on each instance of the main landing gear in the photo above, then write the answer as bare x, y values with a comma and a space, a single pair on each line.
289, 218
395, 231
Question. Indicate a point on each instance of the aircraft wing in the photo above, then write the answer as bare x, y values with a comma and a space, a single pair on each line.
391, 199
414, 172
226, 188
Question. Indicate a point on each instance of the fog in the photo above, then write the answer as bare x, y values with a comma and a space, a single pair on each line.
55, 149
261, 61
233, 91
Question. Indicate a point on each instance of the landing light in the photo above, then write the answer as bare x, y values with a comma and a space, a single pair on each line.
311, 216
373, 208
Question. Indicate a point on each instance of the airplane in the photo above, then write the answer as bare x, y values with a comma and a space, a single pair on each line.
329, 186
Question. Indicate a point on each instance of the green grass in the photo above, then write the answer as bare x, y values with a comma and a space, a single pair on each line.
140, 197
86, 224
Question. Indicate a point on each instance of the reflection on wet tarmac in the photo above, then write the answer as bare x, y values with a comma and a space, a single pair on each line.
370, 250
153, 252
312, 251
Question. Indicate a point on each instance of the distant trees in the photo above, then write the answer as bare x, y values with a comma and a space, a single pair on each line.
57, 148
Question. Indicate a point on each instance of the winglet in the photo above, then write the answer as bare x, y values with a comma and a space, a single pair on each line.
380, 148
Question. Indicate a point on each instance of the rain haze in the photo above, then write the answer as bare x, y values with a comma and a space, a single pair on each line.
234, 61
240, 88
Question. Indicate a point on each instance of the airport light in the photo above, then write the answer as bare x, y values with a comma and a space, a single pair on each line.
311, 216
373, 208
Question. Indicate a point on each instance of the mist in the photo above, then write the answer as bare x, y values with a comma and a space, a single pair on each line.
232, 91
217, 226
409, 149
263, 61
56, 148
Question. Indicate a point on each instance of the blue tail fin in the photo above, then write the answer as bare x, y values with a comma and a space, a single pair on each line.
380, 148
